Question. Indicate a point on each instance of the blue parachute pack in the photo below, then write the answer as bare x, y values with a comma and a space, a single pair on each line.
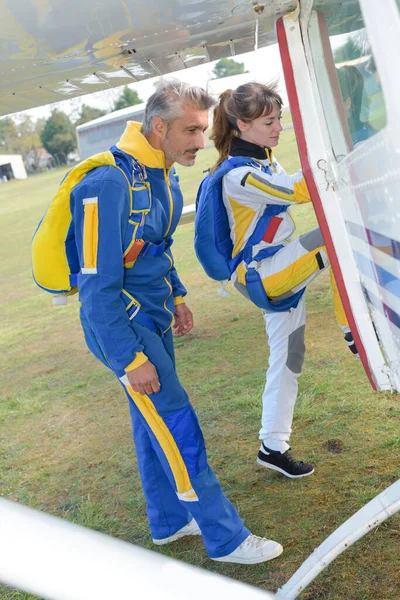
213, 244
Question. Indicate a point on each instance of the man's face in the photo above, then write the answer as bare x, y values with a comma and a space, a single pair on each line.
184, 137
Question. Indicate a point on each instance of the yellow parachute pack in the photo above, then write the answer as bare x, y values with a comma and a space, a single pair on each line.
55, 263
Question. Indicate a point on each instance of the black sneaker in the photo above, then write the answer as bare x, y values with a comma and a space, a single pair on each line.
284, 463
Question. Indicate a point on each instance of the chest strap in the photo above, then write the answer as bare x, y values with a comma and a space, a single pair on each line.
266, 227
246, 254
265, 230
141, 248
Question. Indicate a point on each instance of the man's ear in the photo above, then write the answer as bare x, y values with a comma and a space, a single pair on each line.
159, 127
243, 127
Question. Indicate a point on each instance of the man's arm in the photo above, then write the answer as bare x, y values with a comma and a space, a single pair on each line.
183, 317
178, 289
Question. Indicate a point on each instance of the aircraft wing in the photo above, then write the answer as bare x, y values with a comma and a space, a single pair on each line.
53, 50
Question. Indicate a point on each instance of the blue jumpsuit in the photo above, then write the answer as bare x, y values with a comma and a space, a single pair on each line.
126, 313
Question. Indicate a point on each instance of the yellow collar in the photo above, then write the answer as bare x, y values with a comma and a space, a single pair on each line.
134, 143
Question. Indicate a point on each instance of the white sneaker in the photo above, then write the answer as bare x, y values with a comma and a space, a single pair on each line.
190, 529
253, 550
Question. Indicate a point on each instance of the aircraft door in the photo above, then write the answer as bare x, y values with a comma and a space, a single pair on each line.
351, 160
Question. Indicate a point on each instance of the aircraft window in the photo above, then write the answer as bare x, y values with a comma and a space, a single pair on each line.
347, 76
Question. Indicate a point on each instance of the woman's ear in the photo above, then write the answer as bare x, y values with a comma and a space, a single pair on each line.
243, 126
347, 105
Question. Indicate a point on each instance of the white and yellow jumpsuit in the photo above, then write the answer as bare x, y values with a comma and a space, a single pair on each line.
247, 191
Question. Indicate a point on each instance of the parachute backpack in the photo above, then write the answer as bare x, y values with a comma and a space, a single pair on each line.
55, 262
213, 244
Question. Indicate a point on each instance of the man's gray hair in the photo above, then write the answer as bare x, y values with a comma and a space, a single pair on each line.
167, 100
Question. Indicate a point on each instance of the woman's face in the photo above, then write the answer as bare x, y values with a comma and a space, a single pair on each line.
263, 131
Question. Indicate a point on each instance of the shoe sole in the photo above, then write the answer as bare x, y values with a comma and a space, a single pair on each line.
274, 468
173, 538
253, 561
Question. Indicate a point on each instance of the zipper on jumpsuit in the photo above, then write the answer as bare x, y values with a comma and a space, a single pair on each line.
289, 239
171, 209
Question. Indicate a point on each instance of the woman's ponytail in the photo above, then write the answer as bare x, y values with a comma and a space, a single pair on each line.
223, 130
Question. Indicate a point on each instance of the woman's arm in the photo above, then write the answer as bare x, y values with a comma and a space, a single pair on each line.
249, 185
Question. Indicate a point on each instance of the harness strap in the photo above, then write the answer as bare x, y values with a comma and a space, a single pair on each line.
246, 254
142, 248
259, 297
267, 252
135, 312
265, 228
147, 321
261, 229
153, 249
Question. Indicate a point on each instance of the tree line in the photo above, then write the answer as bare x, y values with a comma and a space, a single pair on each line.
56, 135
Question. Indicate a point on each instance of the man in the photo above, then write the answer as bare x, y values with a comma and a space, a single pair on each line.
130, 293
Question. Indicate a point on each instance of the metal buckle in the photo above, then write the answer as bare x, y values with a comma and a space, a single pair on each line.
138, 172
146, 248
135, 312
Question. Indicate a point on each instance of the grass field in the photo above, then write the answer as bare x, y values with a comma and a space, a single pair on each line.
65, 439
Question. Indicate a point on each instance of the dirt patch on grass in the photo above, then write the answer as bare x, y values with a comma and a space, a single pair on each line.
335, 446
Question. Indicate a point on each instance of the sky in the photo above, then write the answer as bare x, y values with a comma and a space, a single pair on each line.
264, 65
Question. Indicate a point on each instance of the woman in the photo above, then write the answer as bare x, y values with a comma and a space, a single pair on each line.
351, 84
247, 124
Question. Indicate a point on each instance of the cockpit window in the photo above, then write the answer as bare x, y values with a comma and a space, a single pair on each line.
347, 75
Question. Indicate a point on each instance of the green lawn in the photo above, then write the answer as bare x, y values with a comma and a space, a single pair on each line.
65, 439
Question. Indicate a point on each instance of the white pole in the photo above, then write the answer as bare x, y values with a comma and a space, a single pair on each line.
58, 560
385, 505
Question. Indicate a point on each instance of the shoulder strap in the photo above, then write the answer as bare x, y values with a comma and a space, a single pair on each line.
227, 165
242, 161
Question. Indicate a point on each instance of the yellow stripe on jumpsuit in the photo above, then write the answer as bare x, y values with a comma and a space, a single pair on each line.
177, 480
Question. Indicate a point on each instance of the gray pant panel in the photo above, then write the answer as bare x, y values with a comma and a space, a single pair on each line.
296, 351
312, 239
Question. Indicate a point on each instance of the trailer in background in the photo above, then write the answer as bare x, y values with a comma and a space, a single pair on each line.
98, 135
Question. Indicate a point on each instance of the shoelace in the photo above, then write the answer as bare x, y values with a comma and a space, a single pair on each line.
295, 463
254, 541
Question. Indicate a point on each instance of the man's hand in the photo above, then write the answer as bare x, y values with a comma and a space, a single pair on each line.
183, 319
144, 379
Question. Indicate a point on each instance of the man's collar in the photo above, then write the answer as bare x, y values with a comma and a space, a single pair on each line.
240, 147
133, 142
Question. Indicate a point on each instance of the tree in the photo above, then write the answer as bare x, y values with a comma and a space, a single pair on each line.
58, 136
127, 98
29, 142
349, 51
226, 67
8, 136
89, 113
22, 137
